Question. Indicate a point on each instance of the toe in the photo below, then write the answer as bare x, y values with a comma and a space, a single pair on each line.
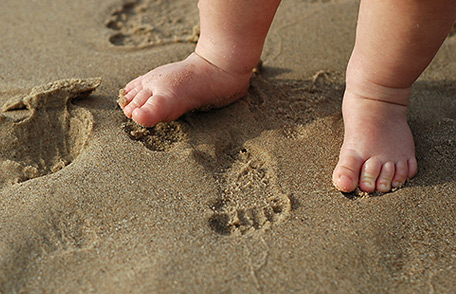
155, 110
385, 177
401, 174
412, 167
133, 84
132, 93
369, 174
137, 102
346, 173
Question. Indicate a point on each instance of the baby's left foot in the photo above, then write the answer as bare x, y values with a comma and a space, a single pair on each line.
378, 152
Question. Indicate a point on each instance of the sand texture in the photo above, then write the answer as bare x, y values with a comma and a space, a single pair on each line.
42, 132
233, 200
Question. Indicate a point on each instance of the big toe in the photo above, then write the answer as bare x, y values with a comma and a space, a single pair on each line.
346, 173
155, 110
137, 101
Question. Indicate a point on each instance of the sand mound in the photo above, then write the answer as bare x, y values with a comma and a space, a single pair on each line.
43, 131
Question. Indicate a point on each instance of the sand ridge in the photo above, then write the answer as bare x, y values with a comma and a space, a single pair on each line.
48, 133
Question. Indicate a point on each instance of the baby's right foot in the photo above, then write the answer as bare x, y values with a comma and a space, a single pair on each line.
169, 91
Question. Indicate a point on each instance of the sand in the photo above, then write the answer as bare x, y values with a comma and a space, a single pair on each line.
234, 200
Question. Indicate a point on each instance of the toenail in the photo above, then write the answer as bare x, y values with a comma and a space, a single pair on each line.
344, 178
368, 184
341, 183
383, 186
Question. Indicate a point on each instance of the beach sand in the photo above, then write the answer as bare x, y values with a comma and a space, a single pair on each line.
234, 200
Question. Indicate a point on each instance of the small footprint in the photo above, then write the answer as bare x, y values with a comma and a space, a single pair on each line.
243, 221
67, 233
250, 199
158, 138
144, 23
43, 131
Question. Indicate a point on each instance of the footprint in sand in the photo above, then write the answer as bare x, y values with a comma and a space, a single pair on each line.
250, 198
43, 131
158, 138
65, 233
144, 23
55, 238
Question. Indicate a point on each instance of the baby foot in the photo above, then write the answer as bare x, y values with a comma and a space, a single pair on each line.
167, 92
378, 152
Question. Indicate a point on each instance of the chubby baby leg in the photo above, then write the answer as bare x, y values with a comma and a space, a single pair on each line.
395, 42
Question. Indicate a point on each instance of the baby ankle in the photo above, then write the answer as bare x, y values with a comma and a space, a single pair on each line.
377, 92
